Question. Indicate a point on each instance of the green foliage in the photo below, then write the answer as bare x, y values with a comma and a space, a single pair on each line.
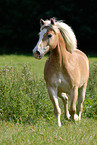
43, 132
26, 112
24, 98
90, 103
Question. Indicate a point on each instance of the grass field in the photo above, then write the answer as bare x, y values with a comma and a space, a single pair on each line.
26, 112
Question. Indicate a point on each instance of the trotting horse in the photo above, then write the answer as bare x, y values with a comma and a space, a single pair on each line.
67, 69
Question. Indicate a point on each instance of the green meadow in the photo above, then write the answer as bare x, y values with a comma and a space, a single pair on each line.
26, 112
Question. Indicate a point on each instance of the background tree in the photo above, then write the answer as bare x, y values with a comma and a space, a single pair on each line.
19, 22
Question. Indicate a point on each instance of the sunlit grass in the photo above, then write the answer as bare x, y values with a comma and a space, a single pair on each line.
26, 112
37, 66
47, 132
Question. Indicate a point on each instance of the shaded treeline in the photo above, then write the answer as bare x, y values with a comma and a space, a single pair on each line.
19, 22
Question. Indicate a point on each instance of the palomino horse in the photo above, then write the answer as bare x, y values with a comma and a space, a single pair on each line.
67, 69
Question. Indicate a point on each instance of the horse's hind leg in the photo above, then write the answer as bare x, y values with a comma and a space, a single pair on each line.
53, 96
73, 99
81, 97
64, 98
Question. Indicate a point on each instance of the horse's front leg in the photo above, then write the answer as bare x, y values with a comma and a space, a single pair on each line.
52, 91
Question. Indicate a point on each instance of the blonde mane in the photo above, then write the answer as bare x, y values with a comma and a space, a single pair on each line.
67, 34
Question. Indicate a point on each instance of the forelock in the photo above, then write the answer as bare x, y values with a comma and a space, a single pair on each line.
49, 25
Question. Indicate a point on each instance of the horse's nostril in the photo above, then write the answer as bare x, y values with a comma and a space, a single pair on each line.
38, 52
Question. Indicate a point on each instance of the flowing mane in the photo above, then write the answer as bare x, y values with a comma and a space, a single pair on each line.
66, 32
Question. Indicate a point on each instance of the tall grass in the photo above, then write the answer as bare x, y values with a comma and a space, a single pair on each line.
48, 133
24, 98
90, 103
26, 112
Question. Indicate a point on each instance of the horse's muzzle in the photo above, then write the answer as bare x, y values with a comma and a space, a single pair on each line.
37, 55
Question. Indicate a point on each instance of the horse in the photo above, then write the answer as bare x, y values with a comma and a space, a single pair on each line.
66, 70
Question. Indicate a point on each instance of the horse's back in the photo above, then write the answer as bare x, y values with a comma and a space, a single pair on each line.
82, 58
81, 54
83, 64
77, 67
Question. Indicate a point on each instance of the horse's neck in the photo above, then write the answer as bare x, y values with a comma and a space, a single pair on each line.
59, 53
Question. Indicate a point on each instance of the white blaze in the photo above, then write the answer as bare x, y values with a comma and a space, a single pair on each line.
41, 34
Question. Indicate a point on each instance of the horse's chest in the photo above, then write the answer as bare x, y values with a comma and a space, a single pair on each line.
60, 82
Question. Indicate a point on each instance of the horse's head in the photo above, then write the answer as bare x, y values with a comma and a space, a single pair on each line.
48, 38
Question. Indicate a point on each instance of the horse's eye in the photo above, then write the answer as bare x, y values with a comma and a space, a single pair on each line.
49, 35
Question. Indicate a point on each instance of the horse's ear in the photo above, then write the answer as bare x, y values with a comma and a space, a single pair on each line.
42, 22
52, 21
